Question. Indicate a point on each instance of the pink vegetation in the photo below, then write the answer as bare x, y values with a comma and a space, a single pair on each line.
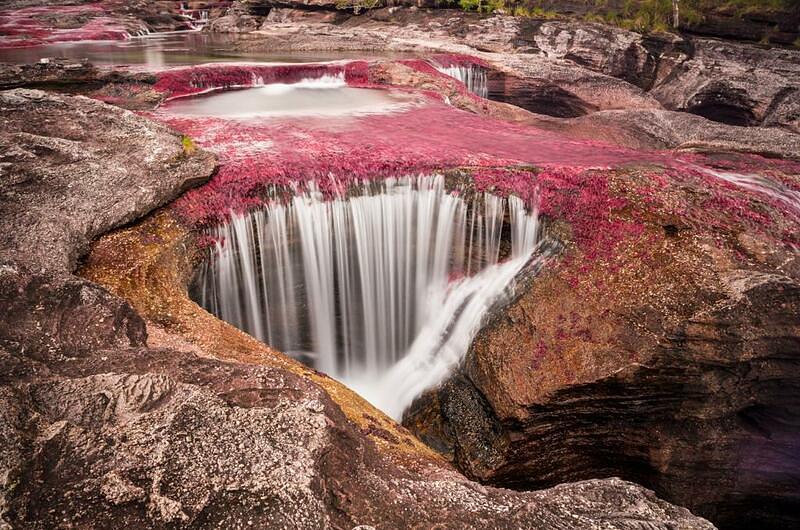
180, 82
568, 177
336, 152
34, 26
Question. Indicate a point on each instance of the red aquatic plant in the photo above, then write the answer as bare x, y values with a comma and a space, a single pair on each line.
573, 180
178, 82
34, 26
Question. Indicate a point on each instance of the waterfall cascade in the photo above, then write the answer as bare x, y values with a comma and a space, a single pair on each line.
473, 76
760, 184
196, 19
383, 289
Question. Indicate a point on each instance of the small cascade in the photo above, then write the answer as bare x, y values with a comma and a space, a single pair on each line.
178, 82
196, 19
328, 80
473, 76
383, 289
756, 183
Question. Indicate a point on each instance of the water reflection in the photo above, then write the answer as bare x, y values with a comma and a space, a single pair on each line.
161, 50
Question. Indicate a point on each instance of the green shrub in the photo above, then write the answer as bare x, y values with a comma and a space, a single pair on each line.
188, 144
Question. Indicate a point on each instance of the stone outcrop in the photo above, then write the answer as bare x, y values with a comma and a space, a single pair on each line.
37, 22
567, 68
736, 84
74, 168
101, 428
667, 355
664, 129
662, 347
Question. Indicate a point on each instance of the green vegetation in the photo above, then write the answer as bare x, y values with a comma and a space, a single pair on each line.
357, 5
482, 6
637, 15
188, 144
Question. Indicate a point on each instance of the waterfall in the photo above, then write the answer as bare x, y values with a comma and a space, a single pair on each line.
332, 80
474, 77
383, 289
760, 184
196, 19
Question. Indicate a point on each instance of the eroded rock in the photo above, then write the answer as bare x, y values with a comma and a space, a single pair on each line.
666, 354
73, 168
101, 430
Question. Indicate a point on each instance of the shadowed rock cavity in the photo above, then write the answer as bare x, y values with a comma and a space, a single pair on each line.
723, 104
536, 96
707, 415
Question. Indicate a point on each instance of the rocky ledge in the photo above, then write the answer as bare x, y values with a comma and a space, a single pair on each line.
27, 23
562, 68
663, 347
109, 422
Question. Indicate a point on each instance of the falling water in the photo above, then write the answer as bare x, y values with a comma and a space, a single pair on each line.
383, 289
760, 184
473, 76
195, 18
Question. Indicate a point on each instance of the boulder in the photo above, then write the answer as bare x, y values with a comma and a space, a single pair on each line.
738, 84
74, 168
662, 347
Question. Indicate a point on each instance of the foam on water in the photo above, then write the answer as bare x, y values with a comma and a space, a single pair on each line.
327, 95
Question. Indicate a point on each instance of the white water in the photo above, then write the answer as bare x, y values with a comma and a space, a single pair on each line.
383, 290
325, 96
327, 81
473, 77
195, 18
759, 184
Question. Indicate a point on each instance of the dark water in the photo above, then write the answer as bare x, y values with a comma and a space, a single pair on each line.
162, 50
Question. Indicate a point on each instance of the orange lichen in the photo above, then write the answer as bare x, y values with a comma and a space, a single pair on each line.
150, 265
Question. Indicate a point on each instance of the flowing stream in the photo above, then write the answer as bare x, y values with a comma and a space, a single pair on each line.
383, 289
474, 77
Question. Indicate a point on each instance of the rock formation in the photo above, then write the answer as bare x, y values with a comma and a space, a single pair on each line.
667, 354
661, 346
571, 68
101, 430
